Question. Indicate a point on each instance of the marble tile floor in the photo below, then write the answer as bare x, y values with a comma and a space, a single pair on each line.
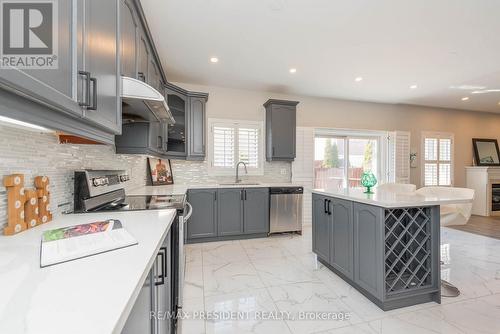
263, 285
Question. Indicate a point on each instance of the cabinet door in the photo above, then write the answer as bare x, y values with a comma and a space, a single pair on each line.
230, 212
321, 227
203, 222
128, 39
177, 132
196, 130
155, 137
256, 210
139, 320
53, 86
368, 264
341, 247
143, 58
101, 60
283, 132
154, 74
163, 287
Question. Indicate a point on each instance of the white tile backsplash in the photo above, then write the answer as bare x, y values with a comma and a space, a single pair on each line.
36, 153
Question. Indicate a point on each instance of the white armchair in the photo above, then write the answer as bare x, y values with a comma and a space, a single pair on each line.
397, 187
452, 214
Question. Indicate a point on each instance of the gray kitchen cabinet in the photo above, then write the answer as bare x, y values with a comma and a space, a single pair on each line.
341, 247
139, 320
129, 27
141, 138
186, 138
230, 211
196, 127
142, 58
154, 74
256, 210
178, 103
203, 222
321, 226
368, 248
280, 129
55, 87
102, 86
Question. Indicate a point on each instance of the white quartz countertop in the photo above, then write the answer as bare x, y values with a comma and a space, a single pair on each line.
180, 189
88, 295
388, 199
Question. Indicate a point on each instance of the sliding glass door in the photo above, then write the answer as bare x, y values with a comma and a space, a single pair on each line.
339, 161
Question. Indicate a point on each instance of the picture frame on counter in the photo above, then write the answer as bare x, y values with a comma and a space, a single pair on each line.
486, 152
160, 172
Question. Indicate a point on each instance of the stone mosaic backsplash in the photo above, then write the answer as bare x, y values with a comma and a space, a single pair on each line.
35, 153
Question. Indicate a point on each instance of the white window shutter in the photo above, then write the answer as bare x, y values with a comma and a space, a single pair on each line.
223, 146
399, 156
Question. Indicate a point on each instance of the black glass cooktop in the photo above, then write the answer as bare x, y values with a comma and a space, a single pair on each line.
154, 202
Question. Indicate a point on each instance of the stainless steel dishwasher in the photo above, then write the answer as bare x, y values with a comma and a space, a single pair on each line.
286, 209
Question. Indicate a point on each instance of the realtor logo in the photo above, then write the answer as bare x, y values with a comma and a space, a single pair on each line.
29, 34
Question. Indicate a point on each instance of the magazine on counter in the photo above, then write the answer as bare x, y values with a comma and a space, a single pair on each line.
75, 242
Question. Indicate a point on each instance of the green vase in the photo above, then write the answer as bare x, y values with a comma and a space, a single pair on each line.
368, 180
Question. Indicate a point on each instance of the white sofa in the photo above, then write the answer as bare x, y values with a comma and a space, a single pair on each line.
452, 214
397, 187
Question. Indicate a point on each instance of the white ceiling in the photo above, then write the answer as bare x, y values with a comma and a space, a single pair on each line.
392, 44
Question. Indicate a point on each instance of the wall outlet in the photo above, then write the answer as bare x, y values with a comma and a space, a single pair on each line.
283, 171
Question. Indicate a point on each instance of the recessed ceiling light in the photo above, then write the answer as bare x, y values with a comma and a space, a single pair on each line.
293, 70
358, 79
214, 59
413, 87
466, 98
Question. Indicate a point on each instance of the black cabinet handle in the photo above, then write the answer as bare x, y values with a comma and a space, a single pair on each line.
324, 205
215, 196
329, 210
162, 254
141, 76
245, 194
86, 100
94, 92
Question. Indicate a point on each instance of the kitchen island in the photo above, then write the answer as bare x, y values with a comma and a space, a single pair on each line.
386, 245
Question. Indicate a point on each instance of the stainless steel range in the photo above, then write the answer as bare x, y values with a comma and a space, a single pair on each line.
104, 190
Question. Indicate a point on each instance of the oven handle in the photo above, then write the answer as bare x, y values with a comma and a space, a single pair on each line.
190, 212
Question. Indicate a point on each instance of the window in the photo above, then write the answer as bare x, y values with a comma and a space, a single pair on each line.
437, 169
233, 141
341, 157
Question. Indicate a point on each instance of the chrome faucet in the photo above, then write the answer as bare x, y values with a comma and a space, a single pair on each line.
238, 180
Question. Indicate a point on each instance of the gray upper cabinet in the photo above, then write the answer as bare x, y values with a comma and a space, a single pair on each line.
141, 138
321, 227
143, 58
203, 222
154, 75
186, 138
101, 29
196, 127
55, 87
230, 212
368, 262
341, 247
129, 28
256, 210
178, 104
280, 129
